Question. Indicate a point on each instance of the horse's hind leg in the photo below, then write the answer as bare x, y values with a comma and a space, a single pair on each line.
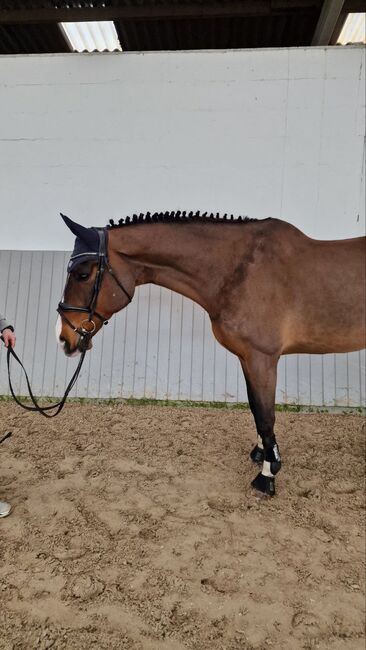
260, 371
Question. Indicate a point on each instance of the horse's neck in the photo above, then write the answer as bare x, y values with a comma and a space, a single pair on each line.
186, 258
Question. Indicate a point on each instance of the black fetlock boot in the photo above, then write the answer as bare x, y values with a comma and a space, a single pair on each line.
257, 455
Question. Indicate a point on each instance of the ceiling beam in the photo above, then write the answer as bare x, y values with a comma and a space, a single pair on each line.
328, 19
354, 6
216, 8
338, 27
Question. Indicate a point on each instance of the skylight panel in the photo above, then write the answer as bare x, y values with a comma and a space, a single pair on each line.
354, 30
92, 36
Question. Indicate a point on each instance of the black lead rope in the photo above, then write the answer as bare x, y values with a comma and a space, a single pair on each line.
41, 409
7, 435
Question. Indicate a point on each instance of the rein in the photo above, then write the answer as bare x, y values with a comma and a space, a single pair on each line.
41, 409
85, 334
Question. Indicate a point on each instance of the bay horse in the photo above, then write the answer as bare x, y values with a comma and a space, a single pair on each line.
268, 289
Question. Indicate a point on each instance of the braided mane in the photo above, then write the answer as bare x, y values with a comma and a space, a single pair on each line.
177, 217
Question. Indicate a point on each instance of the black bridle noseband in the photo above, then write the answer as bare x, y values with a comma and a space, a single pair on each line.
85, 331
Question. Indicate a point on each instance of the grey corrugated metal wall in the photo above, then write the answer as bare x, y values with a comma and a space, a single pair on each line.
160, 347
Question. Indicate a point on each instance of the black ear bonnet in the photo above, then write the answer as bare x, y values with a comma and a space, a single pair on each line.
86, 245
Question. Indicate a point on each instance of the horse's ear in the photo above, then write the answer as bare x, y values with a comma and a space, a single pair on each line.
88, 235
76, 228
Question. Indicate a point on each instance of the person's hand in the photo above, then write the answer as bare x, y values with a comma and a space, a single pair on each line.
8, 337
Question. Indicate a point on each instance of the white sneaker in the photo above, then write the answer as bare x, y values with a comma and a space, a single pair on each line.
5, 509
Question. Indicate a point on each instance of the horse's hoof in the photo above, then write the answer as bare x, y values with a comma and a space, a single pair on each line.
265, 485
257, 455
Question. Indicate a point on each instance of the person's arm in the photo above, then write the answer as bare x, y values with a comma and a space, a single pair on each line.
7, 332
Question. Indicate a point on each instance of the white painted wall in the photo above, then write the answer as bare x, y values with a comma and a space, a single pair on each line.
259, 132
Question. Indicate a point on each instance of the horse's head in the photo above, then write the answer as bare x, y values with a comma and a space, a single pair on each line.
100, 282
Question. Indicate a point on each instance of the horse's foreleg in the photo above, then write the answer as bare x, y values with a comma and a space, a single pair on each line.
260, 371
257, 453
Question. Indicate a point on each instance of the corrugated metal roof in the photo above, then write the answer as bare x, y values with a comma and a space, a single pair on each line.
31, 25
216, 33
33, 38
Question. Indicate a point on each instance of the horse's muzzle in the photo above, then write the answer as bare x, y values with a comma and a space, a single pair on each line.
65, 346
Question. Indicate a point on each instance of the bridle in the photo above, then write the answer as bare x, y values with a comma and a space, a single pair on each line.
88, 326
85, 331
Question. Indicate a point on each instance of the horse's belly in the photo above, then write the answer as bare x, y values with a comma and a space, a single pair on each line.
329, 340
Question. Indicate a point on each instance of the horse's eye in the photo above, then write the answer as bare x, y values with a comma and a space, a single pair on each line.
82, 276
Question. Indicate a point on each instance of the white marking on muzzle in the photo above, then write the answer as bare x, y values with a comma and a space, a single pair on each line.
60, 343
58, 328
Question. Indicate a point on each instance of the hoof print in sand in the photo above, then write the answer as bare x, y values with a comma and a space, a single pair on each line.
225, 581
307, 622
86, 587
